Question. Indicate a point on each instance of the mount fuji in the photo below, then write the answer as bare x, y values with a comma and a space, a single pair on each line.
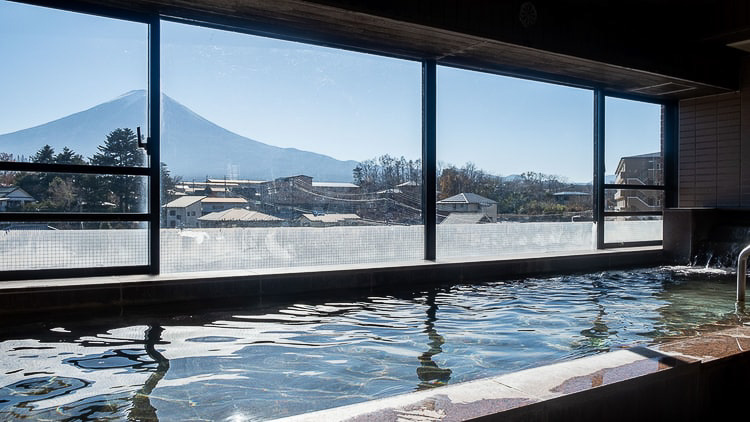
191, 146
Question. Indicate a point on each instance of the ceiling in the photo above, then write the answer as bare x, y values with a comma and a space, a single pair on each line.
667, 49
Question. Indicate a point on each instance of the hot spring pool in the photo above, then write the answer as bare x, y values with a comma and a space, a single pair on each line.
263, 362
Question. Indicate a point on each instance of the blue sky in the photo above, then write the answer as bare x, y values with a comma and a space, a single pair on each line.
343, 104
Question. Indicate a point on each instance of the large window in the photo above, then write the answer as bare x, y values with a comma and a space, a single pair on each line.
282, 154
634, 172
73, 180
275, 154
515, 166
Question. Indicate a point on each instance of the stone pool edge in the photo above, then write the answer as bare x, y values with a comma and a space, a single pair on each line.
688, 379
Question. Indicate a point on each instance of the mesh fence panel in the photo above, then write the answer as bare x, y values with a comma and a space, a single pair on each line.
617, 230
49, 249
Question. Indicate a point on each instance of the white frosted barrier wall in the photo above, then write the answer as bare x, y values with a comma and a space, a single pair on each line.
632, 231
47, 249
277, 247
250, 248
475, 240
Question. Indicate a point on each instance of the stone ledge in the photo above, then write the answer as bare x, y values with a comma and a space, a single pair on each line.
666, 382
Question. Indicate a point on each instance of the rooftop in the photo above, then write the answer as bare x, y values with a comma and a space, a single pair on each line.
571, 194
184, 201
467, 198
236, 181
334, 185
224, 200
238, 214
649, 155
464, 218
331, 218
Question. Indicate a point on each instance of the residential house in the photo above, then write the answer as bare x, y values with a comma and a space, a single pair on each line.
13, 197
469, 203
209, 204
186, 210
183, 211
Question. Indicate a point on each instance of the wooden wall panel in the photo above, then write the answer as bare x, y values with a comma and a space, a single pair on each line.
711, 157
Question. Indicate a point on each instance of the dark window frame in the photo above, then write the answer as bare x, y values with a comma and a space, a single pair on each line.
669, 169
150, 172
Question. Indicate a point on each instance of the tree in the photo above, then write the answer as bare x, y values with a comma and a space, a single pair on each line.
68, 156
168, 184
121, 149
453, 180
46, 155
7, 177
386, 172
62, 194
37, 184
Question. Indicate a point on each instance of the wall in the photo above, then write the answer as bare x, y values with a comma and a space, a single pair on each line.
711, 158
714, 149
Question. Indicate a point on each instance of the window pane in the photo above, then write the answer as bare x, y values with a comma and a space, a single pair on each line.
74, 87
64, 192
633, 149
281, 154
53, 245
515, 166
631, 200
632, 229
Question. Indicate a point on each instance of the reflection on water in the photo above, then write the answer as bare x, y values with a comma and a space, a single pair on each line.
261, 362
429, 373
142, 409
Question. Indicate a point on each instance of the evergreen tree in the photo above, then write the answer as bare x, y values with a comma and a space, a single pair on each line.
46, 155
37, 184
68, 156
121, 149
168, 184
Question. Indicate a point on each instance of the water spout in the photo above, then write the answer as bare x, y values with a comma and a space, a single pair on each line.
742, 273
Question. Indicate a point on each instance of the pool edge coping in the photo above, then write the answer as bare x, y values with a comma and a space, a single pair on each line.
581, 386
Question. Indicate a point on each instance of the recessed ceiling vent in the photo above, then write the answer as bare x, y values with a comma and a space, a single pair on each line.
663, 89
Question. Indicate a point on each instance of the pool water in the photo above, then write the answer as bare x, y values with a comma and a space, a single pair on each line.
262, 362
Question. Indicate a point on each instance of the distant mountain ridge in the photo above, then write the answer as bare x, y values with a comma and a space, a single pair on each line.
191, 146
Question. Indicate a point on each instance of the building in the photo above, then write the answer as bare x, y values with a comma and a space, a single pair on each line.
209, 188
469, 203
183, 211
14, 198
639, 170
249, 189
335, 188
186, 210
238, 217
209, 204
293, 195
